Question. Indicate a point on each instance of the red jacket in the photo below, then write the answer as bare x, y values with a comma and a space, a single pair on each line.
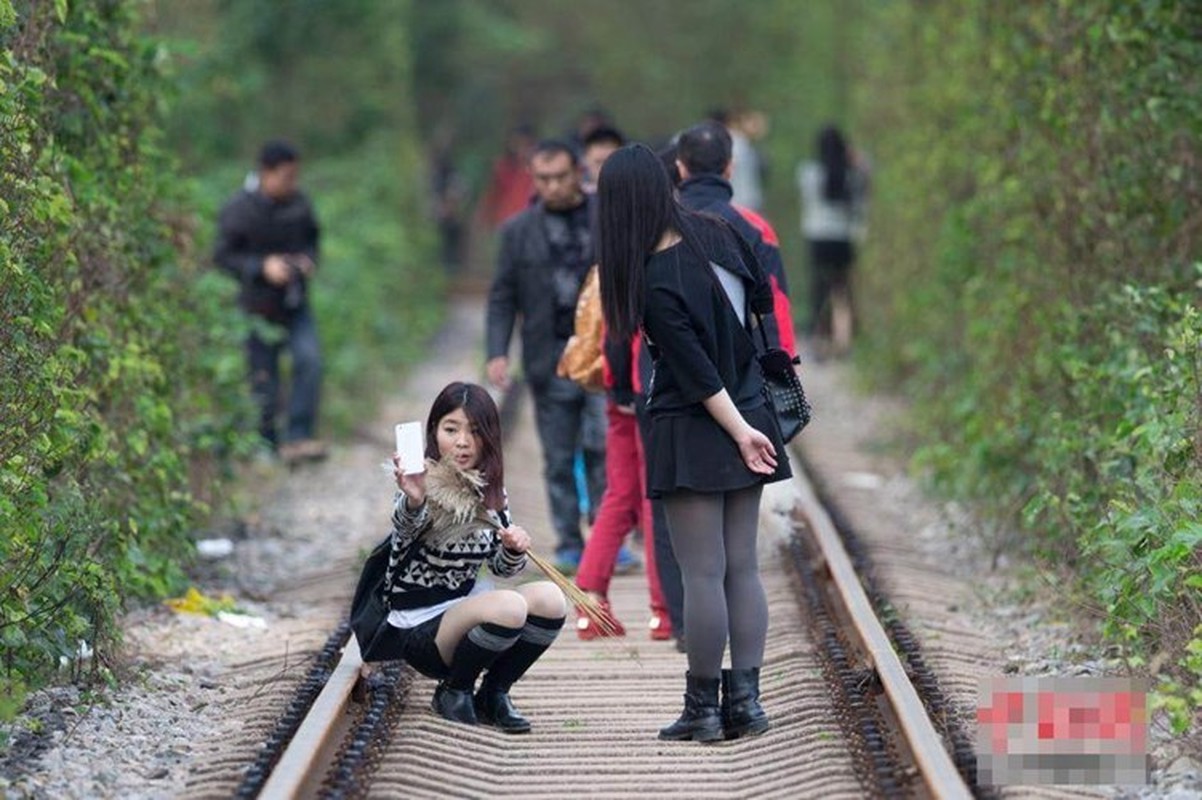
782, 309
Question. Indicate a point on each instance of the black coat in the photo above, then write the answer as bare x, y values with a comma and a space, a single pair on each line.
700, 348
251, 227
712, 194
523, 284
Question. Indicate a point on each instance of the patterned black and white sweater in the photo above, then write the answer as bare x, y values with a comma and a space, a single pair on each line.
437, 548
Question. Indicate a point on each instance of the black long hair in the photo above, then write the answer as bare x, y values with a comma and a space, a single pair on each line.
481, 412
635, 208
832, 152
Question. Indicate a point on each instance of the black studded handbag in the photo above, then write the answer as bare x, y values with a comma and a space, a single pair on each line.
783, 387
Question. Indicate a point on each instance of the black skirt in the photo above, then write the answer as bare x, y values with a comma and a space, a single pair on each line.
691, 451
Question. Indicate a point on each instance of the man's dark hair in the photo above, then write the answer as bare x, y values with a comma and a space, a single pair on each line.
719, 115
277, 152
604, 134
704, 149
667, 156
553, 147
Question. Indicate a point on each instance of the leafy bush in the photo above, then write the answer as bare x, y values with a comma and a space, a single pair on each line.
123, 393
1035, 223
117, 395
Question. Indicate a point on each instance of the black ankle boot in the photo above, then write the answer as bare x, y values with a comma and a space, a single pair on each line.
701, 719
742, 714
493, 707
454, 704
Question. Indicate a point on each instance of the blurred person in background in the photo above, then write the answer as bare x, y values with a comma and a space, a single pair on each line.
589, 120
598, 145
833, 191
510, 188
747, 165
267, 240
545, 254
448, 197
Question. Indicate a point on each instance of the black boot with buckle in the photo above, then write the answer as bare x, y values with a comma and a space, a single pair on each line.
454, 704
742, 714
481, 647
494, 708
701, 720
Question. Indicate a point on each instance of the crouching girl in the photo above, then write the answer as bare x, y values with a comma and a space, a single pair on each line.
447, 521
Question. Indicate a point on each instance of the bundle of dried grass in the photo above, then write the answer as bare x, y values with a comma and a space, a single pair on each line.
585, 602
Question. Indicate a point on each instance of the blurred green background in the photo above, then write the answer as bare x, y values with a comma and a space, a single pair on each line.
1029, 282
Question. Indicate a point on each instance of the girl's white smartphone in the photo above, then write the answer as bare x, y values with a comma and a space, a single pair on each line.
411, 447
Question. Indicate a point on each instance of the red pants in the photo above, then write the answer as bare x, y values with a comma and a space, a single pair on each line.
624, 506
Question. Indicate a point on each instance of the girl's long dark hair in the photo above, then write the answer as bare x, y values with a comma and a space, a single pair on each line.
481, 412
832, 152
635, 207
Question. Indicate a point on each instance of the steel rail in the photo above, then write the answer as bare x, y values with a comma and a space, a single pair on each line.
935, 763
291, 775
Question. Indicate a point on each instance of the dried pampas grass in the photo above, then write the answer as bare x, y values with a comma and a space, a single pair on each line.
584, 602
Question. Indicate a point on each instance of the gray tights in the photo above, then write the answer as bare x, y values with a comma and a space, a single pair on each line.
713, 536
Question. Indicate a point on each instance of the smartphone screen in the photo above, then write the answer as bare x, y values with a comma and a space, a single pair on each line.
411, 446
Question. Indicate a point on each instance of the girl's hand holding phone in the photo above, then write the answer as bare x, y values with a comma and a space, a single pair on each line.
515, 539
413, 485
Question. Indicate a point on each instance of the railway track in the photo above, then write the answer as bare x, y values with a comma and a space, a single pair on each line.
847, 718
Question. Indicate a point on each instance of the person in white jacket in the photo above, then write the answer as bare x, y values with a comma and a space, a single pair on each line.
833, 190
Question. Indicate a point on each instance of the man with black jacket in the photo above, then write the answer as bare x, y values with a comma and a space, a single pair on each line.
545, 255
703, 157
267, 240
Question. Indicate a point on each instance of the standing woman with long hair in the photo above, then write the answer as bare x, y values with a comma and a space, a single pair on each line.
832, 198
680, 277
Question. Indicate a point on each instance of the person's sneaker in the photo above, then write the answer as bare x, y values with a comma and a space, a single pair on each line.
567, 559
587, 630
626, 562
660, 625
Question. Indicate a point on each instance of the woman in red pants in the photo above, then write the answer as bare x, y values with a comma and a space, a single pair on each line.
624, 505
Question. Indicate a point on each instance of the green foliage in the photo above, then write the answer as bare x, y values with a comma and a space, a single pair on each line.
123, 394
108, 416
482, 66
1029, 279
335, 78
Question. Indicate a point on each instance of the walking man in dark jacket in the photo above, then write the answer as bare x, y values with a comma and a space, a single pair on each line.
703, 157
545, 254
267, 240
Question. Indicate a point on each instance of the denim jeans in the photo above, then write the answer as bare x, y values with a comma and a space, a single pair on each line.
567, 418
301, 341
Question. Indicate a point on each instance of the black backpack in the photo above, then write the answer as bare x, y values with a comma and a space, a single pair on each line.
369, 608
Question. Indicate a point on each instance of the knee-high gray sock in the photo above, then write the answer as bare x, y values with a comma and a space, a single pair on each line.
481, 646
536, 636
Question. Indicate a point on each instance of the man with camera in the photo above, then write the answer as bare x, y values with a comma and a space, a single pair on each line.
267, 240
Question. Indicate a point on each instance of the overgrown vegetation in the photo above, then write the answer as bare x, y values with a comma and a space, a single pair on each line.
123, 396
336, 79
1033, 284
119, 371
